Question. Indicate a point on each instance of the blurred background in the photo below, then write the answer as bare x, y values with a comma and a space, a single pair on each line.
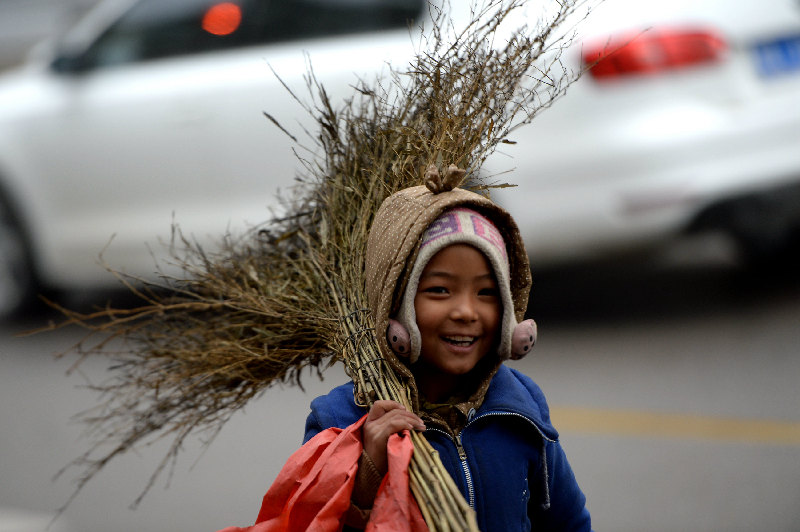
26, 23
659, 200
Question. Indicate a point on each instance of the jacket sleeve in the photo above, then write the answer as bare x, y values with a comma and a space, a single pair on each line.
565, 506
313, 426
335, 409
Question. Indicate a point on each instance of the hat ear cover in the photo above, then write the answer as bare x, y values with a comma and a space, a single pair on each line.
522, 339
398, 338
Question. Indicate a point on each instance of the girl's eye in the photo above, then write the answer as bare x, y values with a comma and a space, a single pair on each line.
492, 292
435, 290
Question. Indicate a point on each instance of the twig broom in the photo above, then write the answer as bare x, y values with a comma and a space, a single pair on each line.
291, 295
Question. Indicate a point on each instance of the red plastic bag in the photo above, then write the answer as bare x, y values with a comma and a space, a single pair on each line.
395, 509
312, 491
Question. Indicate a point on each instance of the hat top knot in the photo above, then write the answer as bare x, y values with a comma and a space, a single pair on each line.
437, 183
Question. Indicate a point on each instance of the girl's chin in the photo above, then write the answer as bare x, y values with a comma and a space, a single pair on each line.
454, 369
461, 369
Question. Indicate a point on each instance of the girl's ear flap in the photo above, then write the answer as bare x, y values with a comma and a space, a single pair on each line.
398, 338
523, 339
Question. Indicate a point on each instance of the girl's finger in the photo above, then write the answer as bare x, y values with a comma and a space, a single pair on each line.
397, 420
379, 408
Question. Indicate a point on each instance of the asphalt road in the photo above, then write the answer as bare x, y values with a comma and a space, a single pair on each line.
675, 392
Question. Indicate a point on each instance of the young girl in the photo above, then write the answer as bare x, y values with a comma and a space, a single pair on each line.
447, 281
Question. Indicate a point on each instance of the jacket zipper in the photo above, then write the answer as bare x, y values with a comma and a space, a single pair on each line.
462, 456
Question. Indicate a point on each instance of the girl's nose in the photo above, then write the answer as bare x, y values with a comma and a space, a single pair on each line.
464, 309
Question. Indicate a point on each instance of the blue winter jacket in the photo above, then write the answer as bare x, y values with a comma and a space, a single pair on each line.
507, 460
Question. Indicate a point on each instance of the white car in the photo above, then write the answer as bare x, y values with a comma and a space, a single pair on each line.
151, 112
691, 124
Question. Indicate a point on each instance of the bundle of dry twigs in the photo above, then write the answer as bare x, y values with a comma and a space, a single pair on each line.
291, 296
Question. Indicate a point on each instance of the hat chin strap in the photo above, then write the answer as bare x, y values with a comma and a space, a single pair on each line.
523, 339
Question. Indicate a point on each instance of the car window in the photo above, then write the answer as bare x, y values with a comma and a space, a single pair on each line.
154, 29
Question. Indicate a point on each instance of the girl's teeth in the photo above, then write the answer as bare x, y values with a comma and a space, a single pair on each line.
461, 341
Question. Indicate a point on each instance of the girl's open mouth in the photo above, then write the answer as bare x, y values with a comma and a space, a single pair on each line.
460, 341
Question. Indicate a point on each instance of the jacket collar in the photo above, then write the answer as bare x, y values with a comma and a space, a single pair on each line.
510, 392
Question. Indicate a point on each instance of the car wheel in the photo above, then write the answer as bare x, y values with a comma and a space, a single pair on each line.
770, 254
767, 230
17, 280
765, 227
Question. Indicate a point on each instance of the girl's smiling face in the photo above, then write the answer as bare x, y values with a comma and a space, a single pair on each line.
458, 311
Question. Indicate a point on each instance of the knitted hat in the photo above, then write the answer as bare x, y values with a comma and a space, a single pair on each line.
460, 226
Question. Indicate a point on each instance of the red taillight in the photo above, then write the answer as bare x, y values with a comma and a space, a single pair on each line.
223, 18
653, 51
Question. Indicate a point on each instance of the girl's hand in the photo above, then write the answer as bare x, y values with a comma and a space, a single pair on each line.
384, 419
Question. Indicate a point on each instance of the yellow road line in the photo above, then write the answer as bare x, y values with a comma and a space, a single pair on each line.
662, 425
